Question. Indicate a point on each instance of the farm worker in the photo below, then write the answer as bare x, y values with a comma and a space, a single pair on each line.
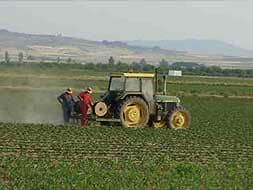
86, 102
67, 102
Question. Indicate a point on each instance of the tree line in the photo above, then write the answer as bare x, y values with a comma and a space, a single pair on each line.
187, 68
7, 58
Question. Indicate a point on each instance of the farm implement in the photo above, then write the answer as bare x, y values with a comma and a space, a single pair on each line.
138, 100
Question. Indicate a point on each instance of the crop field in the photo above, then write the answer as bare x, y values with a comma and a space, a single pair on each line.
216, 152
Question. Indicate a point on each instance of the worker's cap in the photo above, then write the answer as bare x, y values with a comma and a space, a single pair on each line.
69, 90
89, 90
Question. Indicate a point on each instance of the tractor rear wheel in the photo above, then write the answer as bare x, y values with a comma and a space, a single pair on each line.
134, 112
179, 118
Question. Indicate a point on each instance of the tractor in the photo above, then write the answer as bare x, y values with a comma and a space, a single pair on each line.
138, 100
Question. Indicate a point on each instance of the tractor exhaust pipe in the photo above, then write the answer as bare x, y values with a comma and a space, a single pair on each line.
156, 80
164, 84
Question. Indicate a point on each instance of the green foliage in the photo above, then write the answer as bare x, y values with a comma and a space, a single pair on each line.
25, 174
215, 153
142, 66
185, 65
164, 65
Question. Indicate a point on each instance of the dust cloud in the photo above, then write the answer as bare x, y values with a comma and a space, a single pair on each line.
30, 103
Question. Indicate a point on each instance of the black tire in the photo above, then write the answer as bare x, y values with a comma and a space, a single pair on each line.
178, 118
134, 112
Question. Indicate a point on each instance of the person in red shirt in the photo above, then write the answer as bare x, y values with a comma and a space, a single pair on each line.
85, 103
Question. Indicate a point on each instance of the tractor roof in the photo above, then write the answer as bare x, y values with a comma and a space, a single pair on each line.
140, 75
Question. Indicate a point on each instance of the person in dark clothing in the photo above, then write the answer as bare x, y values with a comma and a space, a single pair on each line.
67, 102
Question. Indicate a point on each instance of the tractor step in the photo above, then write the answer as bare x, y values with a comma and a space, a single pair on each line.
107, 119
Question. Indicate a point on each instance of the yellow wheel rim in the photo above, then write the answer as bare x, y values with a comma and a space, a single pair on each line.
159, 124
133, 115
179, 120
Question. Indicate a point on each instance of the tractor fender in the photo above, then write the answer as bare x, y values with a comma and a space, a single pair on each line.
126, 95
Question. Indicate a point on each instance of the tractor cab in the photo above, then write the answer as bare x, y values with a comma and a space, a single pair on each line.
125, 84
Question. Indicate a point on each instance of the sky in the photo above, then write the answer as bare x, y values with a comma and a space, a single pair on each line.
226, 20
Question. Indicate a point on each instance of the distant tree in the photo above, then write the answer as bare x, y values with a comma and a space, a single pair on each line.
136, 66
143, 62
111, 61
30, 57
58, 60
90, 66
20, 57
6, 57
185, 65
164, 65
163, 62
122, 66
148, 67
69, 60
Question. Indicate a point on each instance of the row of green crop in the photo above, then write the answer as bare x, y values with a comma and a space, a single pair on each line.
221, 131
215, 153
150, 174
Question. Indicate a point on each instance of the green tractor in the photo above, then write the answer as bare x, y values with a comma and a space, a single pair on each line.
136, 100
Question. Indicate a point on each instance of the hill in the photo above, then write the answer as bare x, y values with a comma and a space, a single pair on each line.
211, 47
48, 48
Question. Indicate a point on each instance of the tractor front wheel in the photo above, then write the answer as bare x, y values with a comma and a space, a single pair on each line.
179, 118
134, 112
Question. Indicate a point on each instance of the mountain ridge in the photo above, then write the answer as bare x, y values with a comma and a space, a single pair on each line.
48, 48
203, 46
